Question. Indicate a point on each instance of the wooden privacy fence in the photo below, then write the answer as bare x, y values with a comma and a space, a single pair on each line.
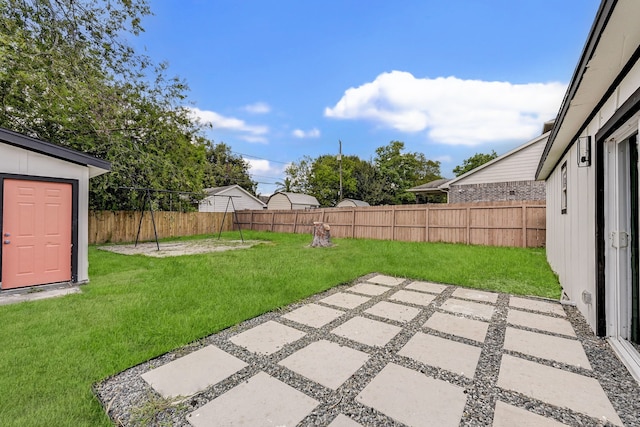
496, 224
122, 226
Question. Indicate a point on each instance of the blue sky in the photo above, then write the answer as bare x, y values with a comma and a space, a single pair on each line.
280, 79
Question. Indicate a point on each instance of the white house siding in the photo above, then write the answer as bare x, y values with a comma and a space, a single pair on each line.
279, 202
519, 166
571, 241
218, 203
14, 160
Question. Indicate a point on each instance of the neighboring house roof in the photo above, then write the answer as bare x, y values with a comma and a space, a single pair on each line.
96, 166
220, 191
432, 187
299, 198
524, 171
354, 202
607, 54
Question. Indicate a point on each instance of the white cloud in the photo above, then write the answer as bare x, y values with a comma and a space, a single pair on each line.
299, 133
258, 108
250, 133
451, 110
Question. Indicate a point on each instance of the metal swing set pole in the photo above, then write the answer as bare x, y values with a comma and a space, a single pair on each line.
235, 216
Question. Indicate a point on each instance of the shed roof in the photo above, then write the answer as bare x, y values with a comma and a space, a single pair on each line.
299, 198
219, 191
355, 202
96, 165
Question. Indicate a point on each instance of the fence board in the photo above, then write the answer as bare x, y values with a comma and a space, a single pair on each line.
497, 224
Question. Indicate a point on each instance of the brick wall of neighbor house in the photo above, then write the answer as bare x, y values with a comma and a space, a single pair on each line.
497, 191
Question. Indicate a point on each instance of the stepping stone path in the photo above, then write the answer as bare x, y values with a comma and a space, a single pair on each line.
389, 351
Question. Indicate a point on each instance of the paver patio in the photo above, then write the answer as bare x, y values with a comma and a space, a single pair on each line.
414, 356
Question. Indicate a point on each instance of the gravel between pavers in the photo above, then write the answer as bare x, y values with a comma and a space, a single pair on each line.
130, 401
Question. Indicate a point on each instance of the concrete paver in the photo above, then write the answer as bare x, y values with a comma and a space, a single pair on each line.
368, 289
411, 297
537, 305
459, 326
434, 288
413, 398
556, 387
469, 308
326, 363
367, 331
262, 400
267, 338
548, 347
540, 322
314, 315
475, 295
509, 416
348, 301
398, 312
385, 280
193, 373
442, 353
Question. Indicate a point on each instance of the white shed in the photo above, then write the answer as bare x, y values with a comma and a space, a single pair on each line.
219, 200
292, 201
351, 203
44, 210
590, 166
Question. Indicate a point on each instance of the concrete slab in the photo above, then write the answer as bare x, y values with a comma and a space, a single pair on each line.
193, 373
506, 415
414, 399
417, 298
367, 331
34, 294
368, 289
326, 363
398, 312
475, 295
556, 387
386, 280
541, 322
459, 326
313, 315
343, 300
469, 308
344, 421
261, 401
453, 356
267, 338
434, 288
537, 305
548, 347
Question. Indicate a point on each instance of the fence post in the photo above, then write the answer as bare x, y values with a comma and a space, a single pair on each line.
393, 223
353, 224
524, 226
295, 223
426, 223
468, 226
273, 215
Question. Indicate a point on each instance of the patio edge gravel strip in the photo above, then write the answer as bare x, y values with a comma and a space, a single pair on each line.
123, 395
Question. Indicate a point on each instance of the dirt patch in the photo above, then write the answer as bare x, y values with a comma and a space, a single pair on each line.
180, 248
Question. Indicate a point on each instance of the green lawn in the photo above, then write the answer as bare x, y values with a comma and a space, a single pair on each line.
137, 307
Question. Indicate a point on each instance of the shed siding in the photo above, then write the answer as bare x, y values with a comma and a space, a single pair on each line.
241, 201
519, 166
278, 202
14, 160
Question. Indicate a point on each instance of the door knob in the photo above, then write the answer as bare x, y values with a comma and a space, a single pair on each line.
6, 242
7, 234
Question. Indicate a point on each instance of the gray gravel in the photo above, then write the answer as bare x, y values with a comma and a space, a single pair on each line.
130, 401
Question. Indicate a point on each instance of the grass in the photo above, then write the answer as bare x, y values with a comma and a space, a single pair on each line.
137, 307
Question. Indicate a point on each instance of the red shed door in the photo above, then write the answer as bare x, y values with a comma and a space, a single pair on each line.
36, 233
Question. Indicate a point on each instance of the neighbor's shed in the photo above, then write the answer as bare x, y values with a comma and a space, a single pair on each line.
590, 167
351, 203
221, 199
44, 211
292, 201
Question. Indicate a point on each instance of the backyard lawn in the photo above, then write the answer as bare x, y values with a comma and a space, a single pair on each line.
138, 307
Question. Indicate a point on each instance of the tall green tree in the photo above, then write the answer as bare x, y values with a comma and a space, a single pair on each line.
225, 168
473, 162
400, 171
67, 76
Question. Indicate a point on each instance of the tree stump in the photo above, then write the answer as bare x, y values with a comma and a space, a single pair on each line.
321, 235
